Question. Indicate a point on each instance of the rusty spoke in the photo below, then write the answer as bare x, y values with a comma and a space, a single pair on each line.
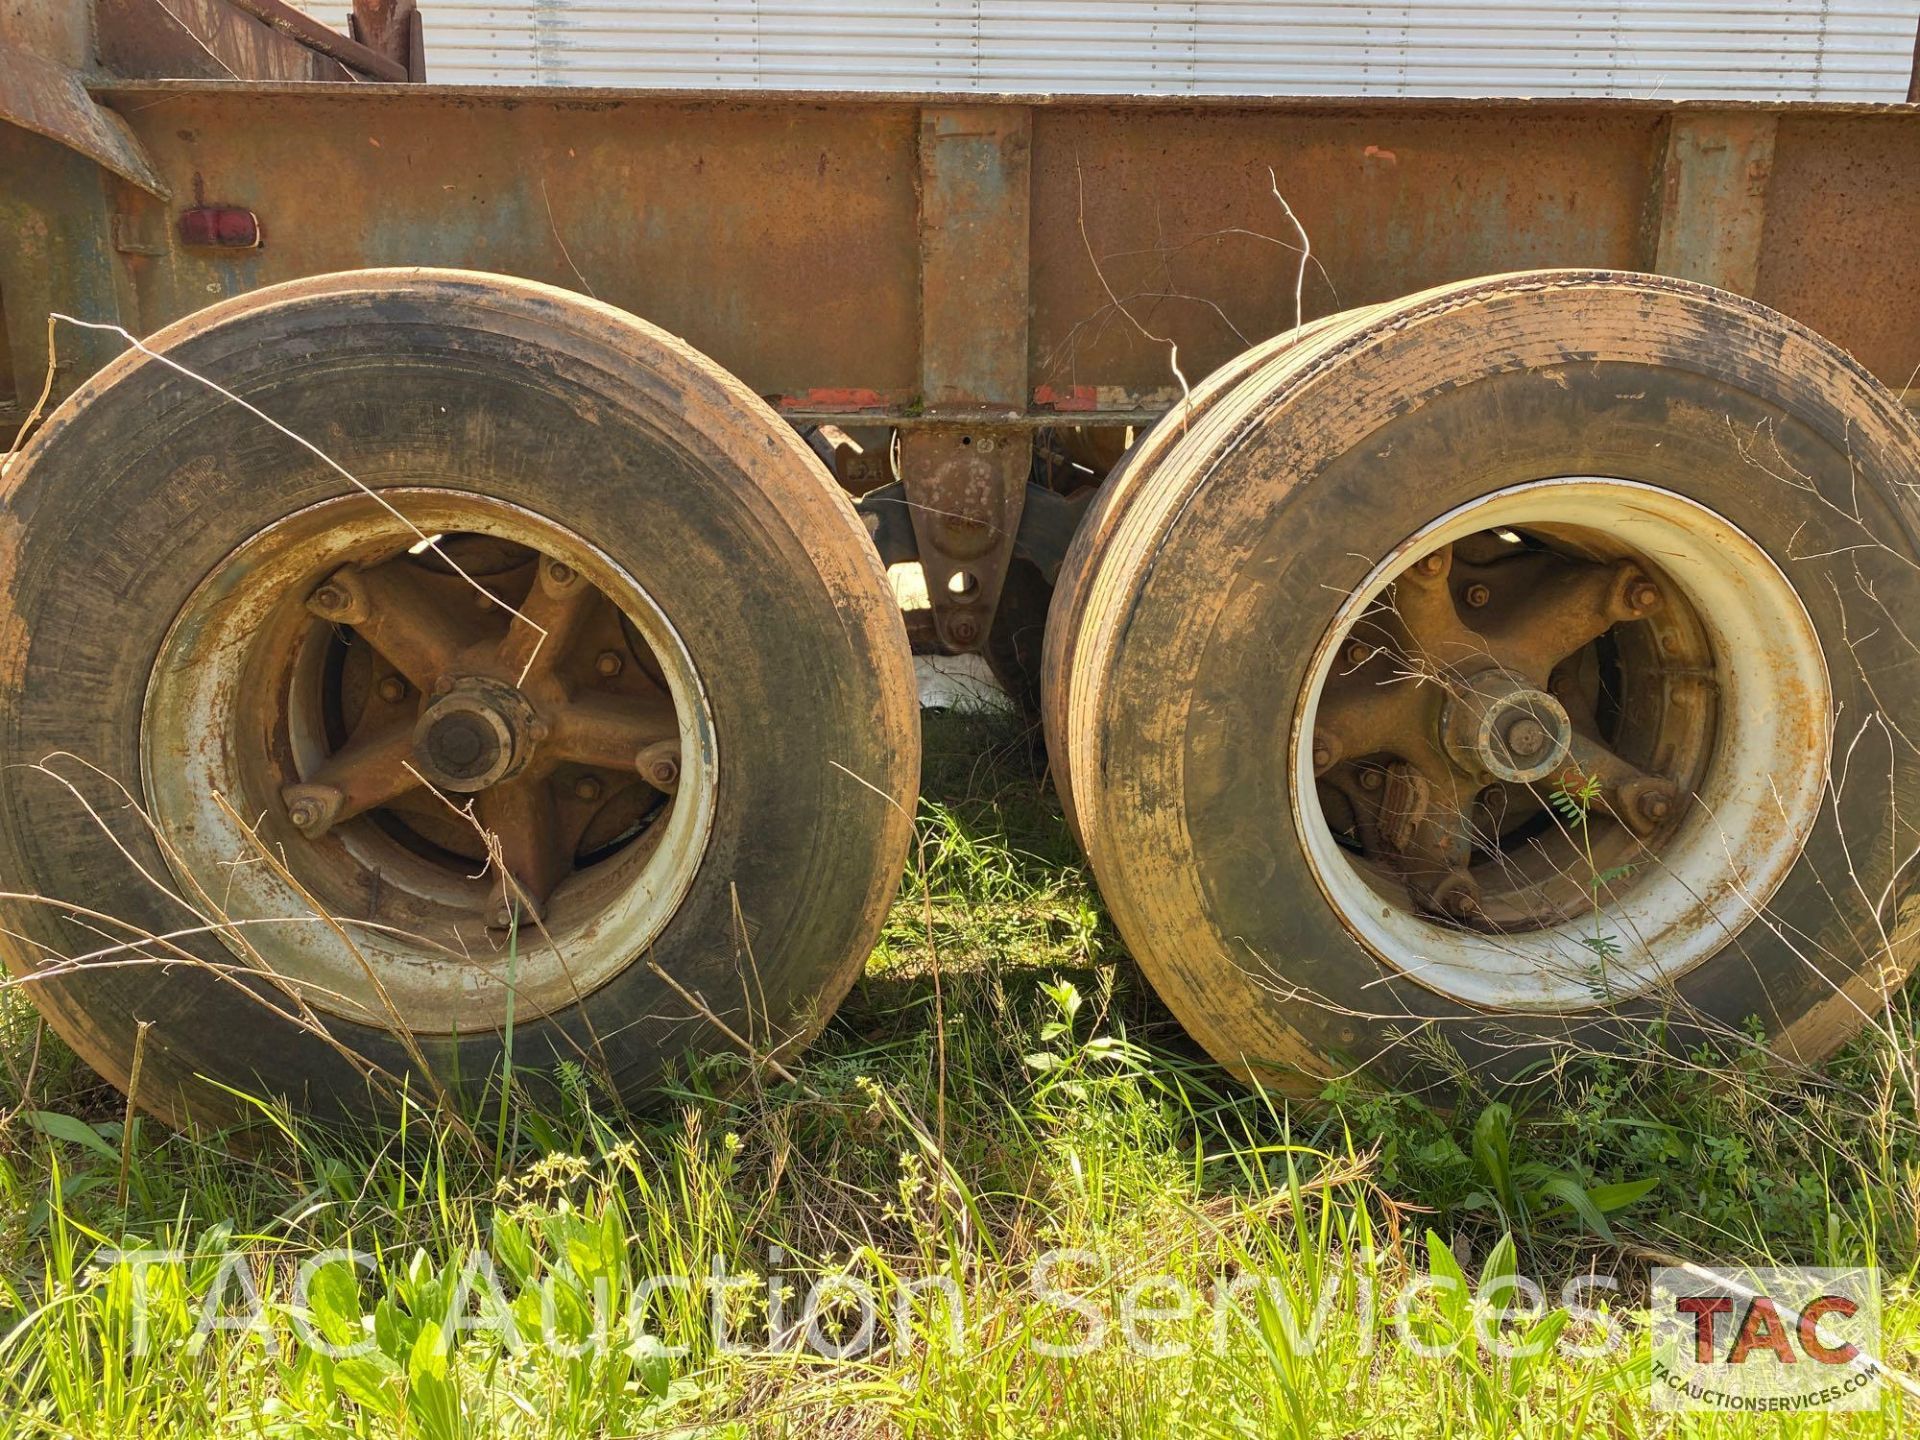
547, 622
371, 770
1442, 643
1572, 606
611, 731
401, 614
1638, 800
1368, 716
520, 815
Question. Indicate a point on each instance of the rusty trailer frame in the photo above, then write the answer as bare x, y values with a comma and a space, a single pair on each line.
965, 272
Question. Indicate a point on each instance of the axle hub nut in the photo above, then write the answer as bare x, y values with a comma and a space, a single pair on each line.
1498, 724
475, 735
1526, 737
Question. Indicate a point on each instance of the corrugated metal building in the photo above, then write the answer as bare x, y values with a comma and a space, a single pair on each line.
1759, 49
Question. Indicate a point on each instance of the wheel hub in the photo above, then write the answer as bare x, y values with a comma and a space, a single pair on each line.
1456, 695
477, 734
1498, 725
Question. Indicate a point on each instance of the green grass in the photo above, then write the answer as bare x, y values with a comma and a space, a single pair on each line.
1001, 1088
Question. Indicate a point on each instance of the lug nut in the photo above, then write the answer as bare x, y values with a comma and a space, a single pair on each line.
1324, 753
659, 764
311, 808
393, 689
1478, 595
588, 788
607, 664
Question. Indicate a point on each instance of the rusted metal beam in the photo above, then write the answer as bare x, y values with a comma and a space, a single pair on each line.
391, 28
1713, 198
47, 98
782, 235
975, 191
966, 483
315, 36
201, 40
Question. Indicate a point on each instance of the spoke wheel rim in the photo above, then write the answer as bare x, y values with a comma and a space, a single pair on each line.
275, 692
1668, 825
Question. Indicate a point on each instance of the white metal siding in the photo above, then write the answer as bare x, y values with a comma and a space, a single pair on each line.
1760, 49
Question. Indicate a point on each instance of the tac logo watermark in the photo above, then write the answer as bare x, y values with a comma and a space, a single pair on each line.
1765, 1341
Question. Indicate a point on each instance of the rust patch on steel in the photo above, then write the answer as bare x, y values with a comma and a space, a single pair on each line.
830, 400
975, 163
1713, 199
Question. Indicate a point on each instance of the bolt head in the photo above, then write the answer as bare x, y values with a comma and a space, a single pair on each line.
1322, 755
1359, 652
1478, 595
305, 814
443, 685
1461, 903
559, 572
607, 664
664, 772
588, 788
1655, 805
1643, 595
1431, 565
393, 689
331, 597
1371, 779
965, 630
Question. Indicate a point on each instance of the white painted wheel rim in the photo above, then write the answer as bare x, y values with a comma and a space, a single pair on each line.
460, 982
1753, 810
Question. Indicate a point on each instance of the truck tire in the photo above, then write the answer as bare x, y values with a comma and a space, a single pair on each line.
501, 629
1069, 597
1494, 677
